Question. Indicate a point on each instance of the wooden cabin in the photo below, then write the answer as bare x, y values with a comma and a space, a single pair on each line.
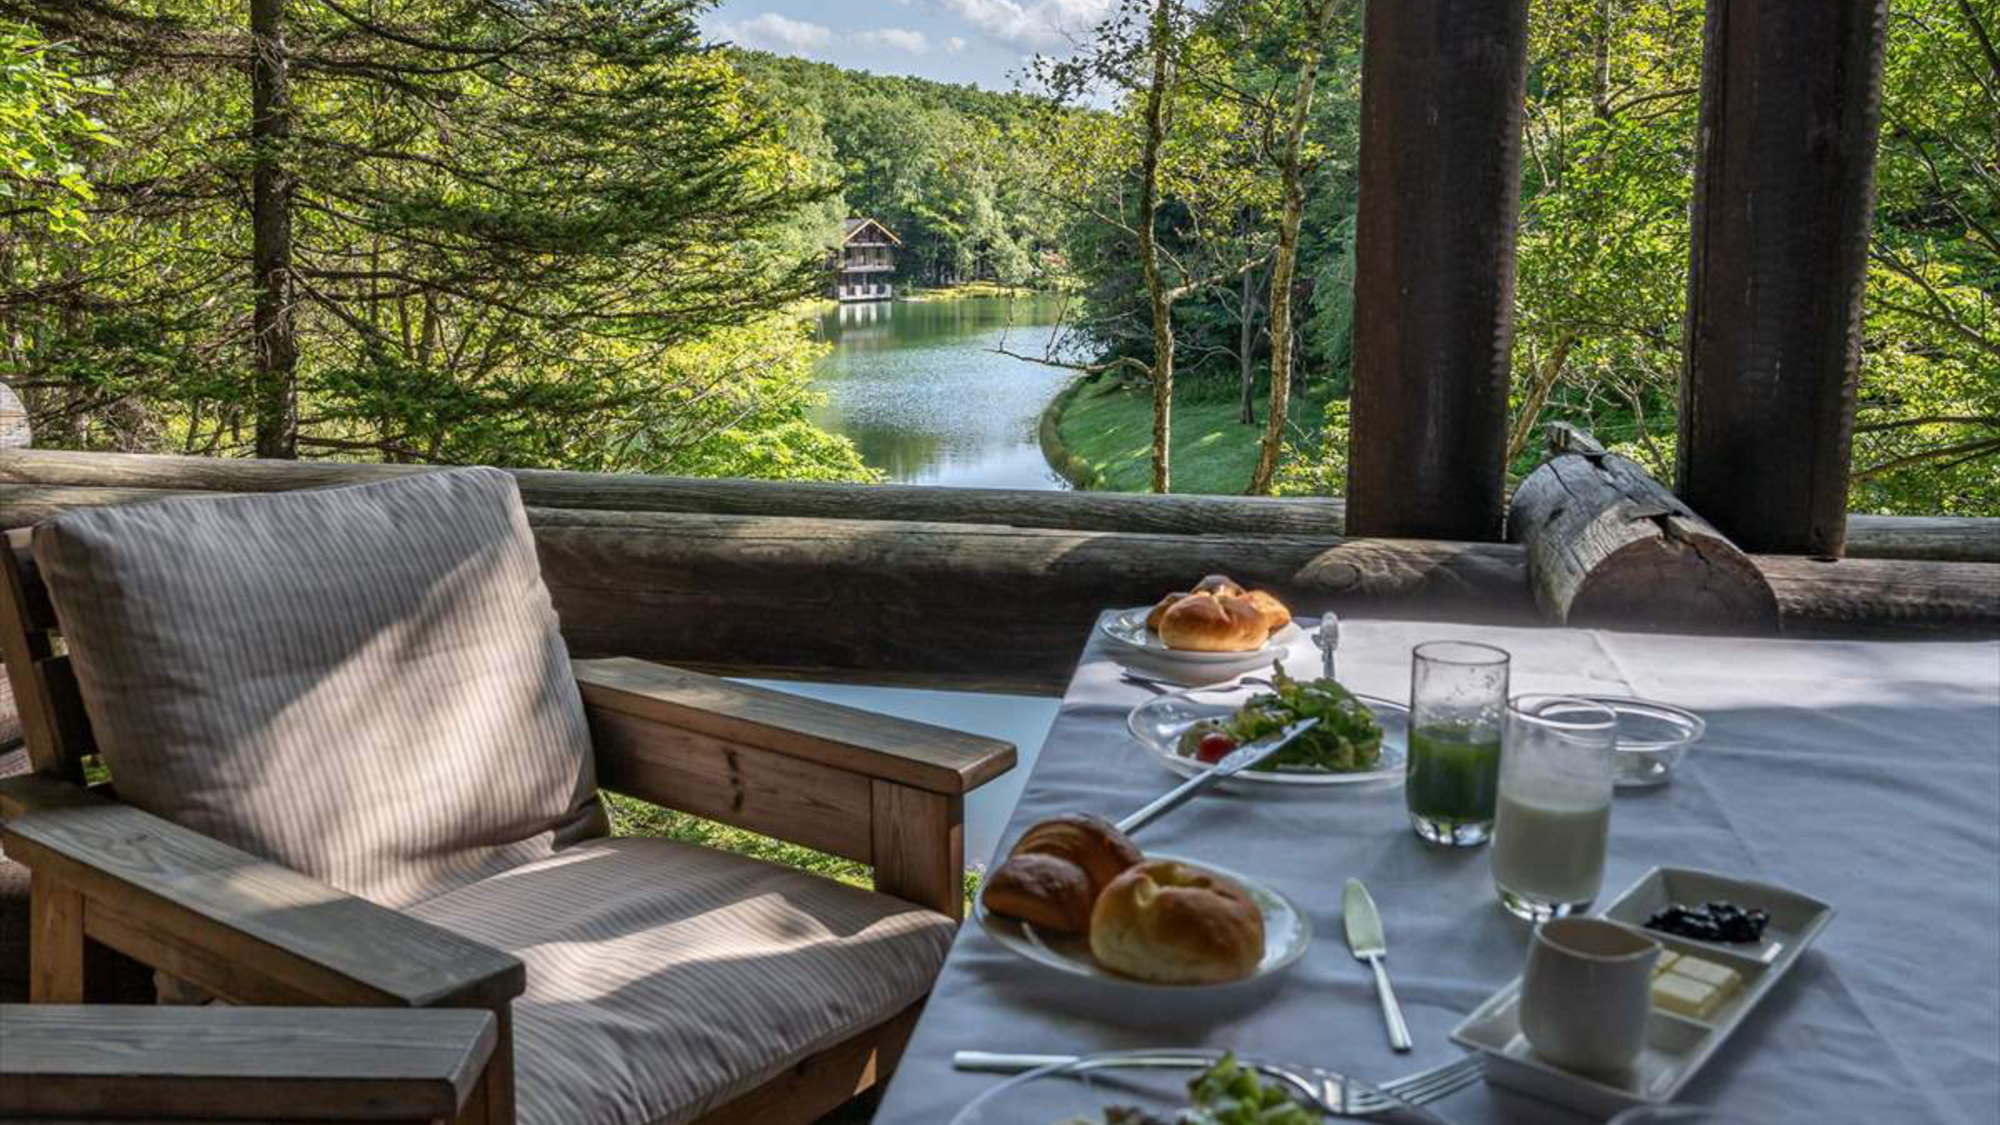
866, 261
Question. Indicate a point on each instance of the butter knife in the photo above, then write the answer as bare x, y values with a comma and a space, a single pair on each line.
1368, 943
1235, 762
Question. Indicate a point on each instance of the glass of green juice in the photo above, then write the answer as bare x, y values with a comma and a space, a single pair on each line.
1458, 703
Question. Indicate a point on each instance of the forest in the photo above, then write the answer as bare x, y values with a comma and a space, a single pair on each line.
1243, 114
573, 233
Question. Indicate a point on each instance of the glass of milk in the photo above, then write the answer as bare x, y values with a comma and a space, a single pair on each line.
1553, 816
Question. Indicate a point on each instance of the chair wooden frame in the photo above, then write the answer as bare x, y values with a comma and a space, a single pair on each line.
883, 791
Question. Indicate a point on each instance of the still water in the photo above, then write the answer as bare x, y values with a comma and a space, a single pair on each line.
919, 389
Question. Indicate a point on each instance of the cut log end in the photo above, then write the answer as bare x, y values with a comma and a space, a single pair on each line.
1608, 546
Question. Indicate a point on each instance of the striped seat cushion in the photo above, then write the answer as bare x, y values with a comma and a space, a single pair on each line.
665, 979
365, 684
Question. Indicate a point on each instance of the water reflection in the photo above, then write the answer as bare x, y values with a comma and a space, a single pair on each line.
919, 389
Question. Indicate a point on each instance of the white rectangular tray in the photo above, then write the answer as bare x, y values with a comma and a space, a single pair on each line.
1677, 1046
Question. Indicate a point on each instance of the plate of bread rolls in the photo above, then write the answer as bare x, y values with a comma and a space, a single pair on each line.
1219, 621
1075, 894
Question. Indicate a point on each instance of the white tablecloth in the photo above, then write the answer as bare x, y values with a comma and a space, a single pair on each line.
1866, 774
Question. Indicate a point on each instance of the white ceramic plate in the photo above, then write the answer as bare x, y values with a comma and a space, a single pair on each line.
1127, 627
1676, 1047
1080, 1091
1159, 723
1287, 932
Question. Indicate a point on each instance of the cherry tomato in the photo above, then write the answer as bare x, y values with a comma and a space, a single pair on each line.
1214, 746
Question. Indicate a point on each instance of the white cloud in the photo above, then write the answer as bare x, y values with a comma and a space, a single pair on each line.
898, 38
773, 32
1032, 25
955, 44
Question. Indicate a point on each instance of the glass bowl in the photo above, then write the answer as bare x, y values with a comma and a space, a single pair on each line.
1653, 737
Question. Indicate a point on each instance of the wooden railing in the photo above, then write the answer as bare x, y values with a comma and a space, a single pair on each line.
995, 589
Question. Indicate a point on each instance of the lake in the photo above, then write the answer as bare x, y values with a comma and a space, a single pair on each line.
918, 388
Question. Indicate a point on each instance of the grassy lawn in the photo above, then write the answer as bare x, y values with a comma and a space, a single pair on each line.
630, 817
1110, 427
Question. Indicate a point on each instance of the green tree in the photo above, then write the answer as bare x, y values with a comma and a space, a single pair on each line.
44, 131
487, 231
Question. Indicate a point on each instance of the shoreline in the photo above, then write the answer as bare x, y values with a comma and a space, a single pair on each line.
1048, 434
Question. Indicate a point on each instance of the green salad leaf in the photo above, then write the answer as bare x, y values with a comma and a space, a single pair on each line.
1347, 739
1226, 1094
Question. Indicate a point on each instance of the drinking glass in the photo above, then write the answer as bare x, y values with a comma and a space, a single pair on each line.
1458, 697
1553, 817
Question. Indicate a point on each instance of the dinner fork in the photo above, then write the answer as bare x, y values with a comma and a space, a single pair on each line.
1330, 1092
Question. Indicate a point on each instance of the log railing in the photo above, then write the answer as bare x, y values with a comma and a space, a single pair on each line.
827, 582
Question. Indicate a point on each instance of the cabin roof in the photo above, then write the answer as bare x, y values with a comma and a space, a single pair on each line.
851, 227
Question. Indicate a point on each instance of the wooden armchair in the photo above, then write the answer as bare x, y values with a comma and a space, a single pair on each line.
107, 875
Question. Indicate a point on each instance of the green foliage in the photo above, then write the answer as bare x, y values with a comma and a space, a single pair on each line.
541, 235
947, 168
44, 130
1613, 95
1928, 425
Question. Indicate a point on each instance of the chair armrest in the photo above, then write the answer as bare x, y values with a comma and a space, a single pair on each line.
244, 928
886, 791
64, 1062
936, 759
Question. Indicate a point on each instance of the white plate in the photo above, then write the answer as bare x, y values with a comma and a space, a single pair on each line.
1287, 932
1676, 1046
1127, 627
1159, 722
1081, 1089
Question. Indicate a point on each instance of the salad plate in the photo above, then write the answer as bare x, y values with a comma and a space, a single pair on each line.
1168, 725
1287, 933
1115, 1088
1127, 628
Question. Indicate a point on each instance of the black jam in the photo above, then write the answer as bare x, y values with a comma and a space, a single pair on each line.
1712, 921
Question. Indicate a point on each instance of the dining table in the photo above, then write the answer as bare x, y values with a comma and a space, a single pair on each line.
1863, 773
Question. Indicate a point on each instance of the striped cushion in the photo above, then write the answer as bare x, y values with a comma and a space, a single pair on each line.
365, 684
665, 979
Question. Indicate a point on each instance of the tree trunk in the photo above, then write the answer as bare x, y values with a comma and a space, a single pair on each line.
1538, 395
1149, 262
1286, 260
277, 356
1246, 347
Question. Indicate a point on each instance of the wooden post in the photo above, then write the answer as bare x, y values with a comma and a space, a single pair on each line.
1441, 102
55, 941
1791, 100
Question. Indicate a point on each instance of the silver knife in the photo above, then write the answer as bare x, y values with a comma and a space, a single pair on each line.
1235, 762
1366, 939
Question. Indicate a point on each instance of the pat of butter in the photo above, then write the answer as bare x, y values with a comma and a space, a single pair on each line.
1685, 996
1668, 958
1721, 977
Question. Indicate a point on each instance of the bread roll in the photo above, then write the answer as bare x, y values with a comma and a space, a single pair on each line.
1208, 623
1220, 585
1153, 616
1168, 923
1057, 869
1092, 843
1042, 890
1276, 614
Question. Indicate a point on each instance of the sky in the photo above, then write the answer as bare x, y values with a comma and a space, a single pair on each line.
984, 42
